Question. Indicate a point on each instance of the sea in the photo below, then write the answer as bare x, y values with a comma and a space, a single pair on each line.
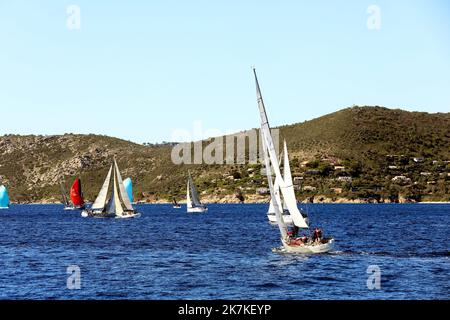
382, 251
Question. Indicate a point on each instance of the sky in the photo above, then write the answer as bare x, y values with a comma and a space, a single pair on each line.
147, 71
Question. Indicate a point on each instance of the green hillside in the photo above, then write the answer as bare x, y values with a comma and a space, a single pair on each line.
366, 153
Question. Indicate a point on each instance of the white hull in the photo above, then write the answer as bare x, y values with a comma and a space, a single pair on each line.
197, 209
176, 207
286, 217
307, 248
129, 216
86, 214
4, 208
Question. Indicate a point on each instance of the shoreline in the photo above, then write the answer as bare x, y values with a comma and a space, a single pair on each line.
245, 203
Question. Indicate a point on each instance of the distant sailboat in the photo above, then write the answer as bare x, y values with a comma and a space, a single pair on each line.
175, 204
76, 196
290, 240
192, 199
127, 183
118, 205
4, 198
64, 199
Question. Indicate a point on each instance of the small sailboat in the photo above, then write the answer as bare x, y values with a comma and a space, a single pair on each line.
4, 198
127, 183
292, 242
76, 196
175, 204
192, 199
64, 199
118, 205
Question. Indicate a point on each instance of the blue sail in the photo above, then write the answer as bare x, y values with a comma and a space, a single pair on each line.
4, 198
129, 188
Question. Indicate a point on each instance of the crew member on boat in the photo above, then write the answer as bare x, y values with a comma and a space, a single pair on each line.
317, 235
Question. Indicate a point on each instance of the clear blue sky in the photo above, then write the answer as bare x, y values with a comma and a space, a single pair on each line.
139, 70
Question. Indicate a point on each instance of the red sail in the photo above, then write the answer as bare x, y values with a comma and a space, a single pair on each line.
75, 193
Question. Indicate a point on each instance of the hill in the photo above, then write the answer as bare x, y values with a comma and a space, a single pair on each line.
356, 154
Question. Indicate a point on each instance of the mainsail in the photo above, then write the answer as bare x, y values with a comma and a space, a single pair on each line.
194, 198
4, 197
188, 195
276, 187
281, 205
117, 204
280, 222
100, 201
270, 154
64, 200
76, 194
123, 194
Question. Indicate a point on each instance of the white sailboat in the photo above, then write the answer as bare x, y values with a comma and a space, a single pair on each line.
291, 242
192, 199
118, 205
175, 204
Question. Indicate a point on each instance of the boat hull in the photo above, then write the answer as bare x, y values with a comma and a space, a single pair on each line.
309, 248
197, 210
73, 208
129, 216
4, 208
90, 214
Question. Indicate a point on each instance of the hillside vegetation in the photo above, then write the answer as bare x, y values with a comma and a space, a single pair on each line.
356, 154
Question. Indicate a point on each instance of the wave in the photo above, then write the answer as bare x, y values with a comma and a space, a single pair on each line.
393, 254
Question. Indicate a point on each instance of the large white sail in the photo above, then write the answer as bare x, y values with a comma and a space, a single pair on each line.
188, 196
117, 203
100, 201
123, 193
280, 222
291, 203
276, 187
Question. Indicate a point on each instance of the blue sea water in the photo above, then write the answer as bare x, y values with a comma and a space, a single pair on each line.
223, 254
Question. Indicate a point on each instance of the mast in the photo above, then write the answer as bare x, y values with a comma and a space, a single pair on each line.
290, 201
269, 156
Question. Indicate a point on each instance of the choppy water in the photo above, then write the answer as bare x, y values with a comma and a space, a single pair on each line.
224, 254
